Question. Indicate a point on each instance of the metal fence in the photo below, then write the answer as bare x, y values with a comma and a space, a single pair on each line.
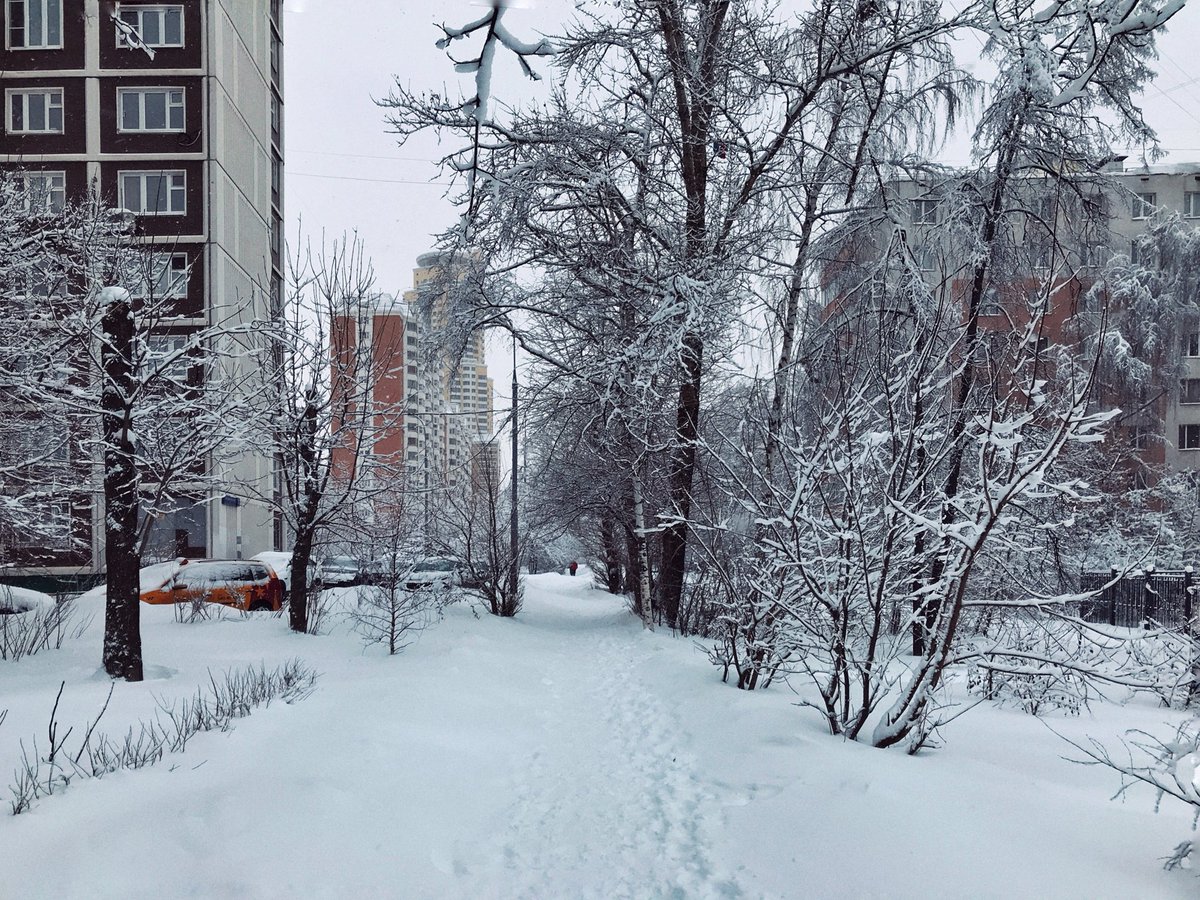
1140, 599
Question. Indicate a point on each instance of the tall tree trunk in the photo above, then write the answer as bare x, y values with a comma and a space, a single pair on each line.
643, 556
612, 556
694, 75
682, 473
122, 628
306, 522
298, 595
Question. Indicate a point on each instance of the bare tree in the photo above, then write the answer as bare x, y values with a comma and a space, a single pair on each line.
473, 528
86, 310
315, 413
388, 612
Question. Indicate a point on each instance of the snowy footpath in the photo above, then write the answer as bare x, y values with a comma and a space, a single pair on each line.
563, 754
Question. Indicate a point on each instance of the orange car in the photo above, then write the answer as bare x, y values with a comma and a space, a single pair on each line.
244, 583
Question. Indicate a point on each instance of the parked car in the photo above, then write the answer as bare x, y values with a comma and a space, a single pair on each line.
382, 569
17, 600
438, 571
281, 563
339, 571
242, 583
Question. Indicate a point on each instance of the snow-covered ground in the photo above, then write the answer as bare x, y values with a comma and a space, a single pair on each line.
563, 754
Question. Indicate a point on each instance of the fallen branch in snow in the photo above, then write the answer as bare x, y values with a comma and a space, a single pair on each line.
233, 697
1171, 767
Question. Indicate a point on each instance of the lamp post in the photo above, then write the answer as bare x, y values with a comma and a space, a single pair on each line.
513, 573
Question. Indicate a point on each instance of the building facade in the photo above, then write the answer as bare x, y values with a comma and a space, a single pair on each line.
1054, 252
172, 112
430, 417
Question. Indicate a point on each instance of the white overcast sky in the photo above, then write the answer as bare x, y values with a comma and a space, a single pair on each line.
346, 173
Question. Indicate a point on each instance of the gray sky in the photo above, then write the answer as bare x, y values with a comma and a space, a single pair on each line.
346, 173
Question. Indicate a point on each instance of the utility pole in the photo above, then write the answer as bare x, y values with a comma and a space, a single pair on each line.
513, 574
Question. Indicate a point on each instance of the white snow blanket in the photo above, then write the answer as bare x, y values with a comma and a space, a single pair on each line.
566, 753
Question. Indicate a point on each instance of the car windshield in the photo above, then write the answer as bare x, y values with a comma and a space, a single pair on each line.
434, 565
341, 562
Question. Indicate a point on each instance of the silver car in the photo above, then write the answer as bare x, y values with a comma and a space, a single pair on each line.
435, 572
339, 571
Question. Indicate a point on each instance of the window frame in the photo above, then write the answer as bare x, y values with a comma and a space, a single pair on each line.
1191, 204
159, 347
142, 91
1189, 391
1191, 345
150, 284
924, 210
10, 98
141, 9
46, 6
25, 176
1142, 207
143, 175
57, 535
1184, 433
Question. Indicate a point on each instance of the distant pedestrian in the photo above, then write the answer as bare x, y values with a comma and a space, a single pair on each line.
573, 567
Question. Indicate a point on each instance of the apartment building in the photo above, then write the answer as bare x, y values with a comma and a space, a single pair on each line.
173, 112
1055, 248
457, 421
429, 422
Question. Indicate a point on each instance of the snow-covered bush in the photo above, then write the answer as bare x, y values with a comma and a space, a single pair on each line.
31, 622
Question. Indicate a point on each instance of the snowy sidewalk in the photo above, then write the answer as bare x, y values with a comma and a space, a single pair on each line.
563, 754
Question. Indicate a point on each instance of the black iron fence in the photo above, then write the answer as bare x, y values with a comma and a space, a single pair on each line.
1138, 599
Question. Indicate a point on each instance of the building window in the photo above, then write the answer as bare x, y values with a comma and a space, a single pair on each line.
1139, 436
1042, 255
1189, 437
35, 112
1191, 204
153, 193
167, 276
165, 355
34, 24
53, 528
1191, 344
1046, 210
159, 25
1189, 390
275, 119
276, 52
1093, 255
1144, 205
150, 109
43, 192
926, 259
925, 212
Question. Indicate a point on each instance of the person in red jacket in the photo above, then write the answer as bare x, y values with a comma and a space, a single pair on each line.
573, 566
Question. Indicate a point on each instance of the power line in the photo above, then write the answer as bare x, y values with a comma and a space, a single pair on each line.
358, 178
360, 155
